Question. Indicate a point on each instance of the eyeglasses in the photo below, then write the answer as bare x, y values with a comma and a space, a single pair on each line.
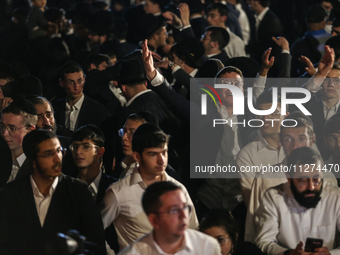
83, 146
48, 115
335, 81
123, 131
234, 82
302, 182
11, 129
50, 154
178, 210
289, 140
222, 241
79, 82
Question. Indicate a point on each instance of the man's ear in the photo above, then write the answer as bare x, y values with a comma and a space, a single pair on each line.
224, 18
153, 220
123, 87
31, 128
136, 156
101, 151
92, 66
214, 44
61, 83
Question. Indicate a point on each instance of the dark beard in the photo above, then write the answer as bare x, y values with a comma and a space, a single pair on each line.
307, 202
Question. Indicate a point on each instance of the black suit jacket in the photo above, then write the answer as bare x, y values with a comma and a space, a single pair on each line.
316, 109
72, 207
91, 112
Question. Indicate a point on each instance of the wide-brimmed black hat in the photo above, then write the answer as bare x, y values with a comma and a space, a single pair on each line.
192, 49
131, 71
148, 25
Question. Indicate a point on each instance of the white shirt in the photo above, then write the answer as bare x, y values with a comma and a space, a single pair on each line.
16, 166
72, 113
194, 243
94, 186
42, 203
235, 47
122, 206
244, 23
329, 112
283, 222
257, 153
127, 169
137, 95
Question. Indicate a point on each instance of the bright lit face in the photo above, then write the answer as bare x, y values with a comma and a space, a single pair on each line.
225, 94
221, 235
153, 161
293, 138
48, 163
73, 84
333, 143
331, 86
85, 156
45, 117
271, 126
14, 138
306, 185
215, 19
129, 128
172, 225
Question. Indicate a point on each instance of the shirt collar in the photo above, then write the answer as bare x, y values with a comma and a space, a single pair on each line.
263, 144
186, 245
336, 106
77, 105
35, 188
137, 95
193, 73
136, 178
21, 159
261, 15
95, 183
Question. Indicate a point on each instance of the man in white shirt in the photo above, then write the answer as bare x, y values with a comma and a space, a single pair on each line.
17, 119
217, 16
37, 207
168, 212
122, 201
302, 208
332, 139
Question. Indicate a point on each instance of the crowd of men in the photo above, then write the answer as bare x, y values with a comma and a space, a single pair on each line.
102, 127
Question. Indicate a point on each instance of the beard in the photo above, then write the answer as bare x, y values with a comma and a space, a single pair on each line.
307, 202
52, 128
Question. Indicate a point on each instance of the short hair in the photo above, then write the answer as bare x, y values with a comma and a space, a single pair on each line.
29, 119
302, 156
148, 135
332, 125
144, 117
221, 8
98, 59
229, 69
223, 219
30, 144
151, 198
91, 132
70, 67
266, 97
301, 121
217, 35
40, 100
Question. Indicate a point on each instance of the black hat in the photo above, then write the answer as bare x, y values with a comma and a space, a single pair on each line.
148, 25
131, 71
333, 42
24, 105
248, 66
315, 14
209, 68
193, 50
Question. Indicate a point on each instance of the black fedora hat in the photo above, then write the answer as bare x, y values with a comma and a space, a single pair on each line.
131, 71
193, 50
148, 25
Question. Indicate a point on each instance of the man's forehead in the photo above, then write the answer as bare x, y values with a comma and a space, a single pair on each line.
9, 118
49, 144
290, 131
334, 134
72, 75
173, 198
160, 148
312, 170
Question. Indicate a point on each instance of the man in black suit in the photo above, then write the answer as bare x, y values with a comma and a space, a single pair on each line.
214, 40
35, 208
77, 109
17, 119
267, 25
323, 109
87, 151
